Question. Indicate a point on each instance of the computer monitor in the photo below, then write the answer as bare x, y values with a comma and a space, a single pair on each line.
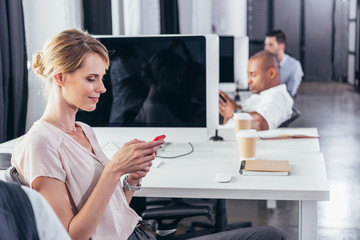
234, 55
226, 52
164, 84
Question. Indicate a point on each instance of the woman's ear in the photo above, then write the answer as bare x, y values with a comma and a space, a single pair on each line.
58, 76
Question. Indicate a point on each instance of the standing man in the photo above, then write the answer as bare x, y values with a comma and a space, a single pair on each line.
291, 72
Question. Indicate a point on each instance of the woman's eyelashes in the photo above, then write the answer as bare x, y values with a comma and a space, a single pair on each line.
93, 78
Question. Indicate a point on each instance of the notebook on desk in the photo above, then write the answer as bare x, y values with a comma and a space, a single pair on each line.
265, 168
286, 133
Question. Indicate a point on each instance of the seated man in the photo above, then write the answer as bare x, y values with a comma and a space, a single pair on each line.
270, 104
291, 72
25, 214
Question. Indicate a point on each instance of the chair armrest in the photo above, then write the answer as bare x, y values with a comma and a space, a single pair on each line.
12, 176
175, 212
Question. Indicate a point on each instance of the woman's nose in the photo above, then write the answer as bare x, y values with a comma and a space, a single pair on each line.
101, 87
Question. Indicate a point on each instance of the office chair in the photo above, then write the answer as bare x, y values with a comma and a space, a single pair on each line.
5, 160
219, 224
168, 219
12, 176
162, 215
295, 115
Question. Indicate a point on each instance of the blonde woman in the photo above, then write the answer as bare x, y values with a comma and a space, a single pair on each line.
61, 158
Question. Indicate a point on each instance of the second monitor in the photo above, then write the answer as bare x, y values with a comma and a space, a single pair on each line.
234, 55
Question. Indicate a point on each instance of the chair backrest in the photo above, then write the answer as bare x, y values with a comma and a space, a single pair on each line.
5, 160
295, 115
13, 176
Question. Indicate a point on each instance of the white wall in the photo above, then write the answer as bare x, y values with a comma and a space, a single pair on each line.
43, 19
223, 17
117, 17
195, 16
229, 17
141, 17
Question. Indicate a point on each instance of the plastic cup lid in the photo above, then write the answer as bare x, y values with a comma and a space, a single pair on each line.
249, 133
242, 116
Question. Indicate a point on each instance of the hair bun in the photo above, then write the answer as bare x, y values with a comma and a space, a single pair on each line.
38, 64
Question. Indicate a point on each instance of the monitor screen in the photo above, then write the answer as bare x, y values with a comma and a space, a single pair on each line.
234, 55
154, 82
226, 59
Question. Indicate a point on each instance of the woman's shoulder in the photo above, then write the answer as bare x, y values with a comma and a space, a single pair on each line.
40, 135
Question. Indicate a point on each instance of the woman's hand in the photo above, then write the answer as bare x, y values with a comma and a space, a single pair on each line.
134, 157
134, 178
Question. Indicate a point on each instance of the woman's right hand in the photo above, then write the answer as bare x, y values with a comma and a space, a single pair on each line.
134, 156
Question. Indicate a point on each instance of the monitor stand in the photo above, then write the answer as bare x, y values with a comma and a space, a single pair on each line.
216, 137
237, 90
237, 95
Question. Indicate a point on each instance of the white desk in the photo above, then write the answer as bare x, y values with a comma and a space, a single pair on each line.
193, 175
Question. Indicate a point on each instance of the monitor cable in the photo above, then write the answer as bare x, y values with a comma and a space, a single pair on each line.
181, 155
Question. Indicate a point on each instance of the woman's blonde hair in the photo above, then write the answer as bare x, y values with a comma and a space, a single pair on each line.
66, 50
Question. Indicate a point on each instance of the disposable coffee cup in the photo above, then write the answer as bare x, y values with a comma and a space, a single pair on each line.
247, 144
242, 121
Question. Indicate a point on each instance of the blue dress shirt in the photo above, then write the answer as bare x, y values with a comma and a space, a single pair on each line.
291, 73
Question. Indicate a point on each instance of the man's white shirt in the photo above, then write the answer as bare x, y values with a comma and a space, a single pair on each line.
47, 222
274, 104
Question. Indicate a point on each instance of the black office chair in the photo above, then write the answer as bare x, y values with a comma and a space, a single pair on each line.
295, 115
168, 219
12, 176
165, 230
196, 228
5, 160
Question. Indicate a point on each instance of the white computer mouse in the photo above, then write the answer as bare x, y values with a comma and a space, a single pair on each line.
223, 177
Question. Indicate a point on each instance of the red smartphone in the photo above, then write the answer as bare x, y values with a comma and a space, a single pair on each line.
159, 137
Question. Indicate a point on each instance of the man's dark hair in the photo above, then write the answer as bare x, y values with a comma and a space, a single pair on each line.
279, 34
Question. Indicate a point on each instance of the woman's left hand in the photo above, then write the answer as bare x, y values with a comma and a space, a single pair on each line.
134, 178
